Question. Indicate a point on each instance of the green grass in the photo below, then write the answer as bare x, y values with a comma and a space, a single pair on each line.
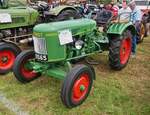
125, 92
4, 110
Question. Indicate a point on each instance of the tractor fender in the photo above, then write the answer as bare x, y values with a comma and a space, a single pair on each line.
119, 28
57, 10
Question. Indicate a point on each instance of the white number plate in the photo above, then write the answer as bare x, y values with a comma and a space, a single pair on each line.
41, 57
5, 18
65, 37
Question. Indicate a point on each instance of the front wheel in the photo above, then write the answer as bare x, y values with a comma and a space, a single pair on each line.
8, 53
22, 69
120, 50
77, 86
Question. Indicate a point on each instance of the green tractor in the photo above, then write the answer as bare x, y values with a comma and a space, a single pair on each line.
17, 21
57, 44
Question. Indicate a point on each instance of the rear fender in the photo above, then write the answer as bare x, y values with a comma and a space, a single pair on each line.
57, 10
119, 28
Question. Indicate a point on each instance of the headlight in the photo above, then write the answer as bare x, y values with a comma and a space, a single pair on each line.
79, 44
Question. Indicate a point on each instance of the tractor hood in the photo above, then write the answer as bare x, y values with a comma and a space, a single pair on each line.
51, 39
75, 26
18, 16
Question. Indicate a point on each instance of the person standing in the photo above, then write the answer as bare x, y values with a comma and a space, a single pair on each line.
136, 18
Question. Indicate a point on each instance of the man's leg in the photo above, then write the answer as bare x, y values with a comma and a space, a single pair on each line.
138, 26
134, 45
138, 29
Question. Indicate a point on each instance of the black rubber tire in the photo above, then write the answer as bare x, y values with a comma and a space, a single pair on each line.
68, 14
9, 47
22, 58
72, 76
114, 50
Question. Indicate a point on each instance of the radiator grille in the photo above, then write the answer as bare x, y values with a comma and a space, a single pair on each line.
40, 45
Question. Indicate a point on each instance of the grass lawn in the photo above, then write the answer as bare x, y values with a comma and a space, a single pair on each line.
125, 92
4, 110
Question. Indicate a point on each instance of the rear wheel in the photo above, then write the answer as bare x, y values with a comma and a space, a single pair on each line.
144, 22
120, 50
142, 33
22, 67
8, 53
77, 86
68, 14
148, 29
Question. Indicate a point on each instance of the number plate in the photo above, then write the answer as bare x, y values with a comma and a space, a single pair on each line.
41, 57
65, 37
5, 18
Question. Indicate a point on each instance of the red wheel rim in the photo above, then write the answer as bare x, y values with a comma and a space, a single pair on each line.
7, 59
26, 72
125, 50
80, 87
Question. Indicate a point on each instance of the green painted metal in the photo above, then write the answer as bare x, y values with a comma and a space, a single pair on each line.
77, 27
53, 70
119, 28
84, 55
38, 67
56, 52
82, 87
49, 32
21, 16
56, 72
16, 3
13, 3
56, 11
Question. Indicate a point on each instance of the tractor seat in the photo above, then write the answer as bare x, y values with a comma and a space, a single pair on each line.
103, 17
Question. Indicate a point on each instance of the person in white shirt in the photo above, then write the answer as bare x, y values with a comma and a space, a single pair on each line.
124, 12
